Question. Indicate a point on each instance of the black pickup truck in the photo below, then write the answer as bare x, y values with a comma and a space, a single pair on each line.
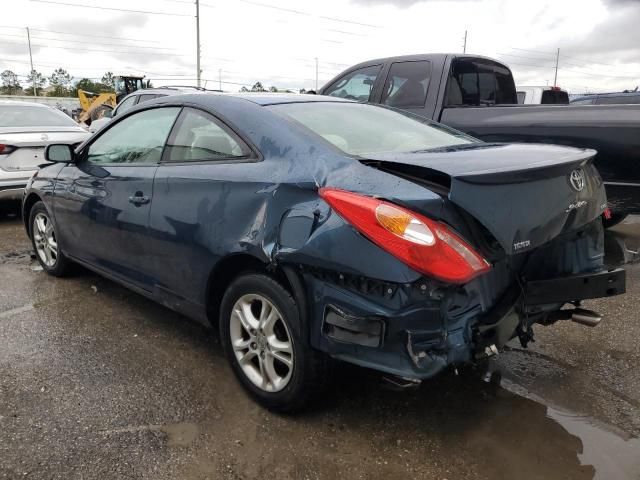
477, 95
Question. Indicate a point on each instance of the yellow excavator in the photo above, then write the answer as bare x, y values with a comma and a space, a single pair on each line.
94, 105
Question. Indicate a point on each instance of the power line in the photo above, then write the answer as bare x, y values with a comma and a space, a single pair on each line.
128, 52
539, 52
82, 34
150, 12
95, 36
300, 12
90, 43
519, 56
531, 65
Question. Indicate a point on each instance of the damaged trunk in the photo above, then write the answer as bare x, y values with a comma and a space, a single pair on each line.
524, 199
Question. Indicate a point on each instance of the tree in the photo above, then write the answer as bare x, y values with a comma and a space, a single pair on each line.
86, 85
10, 83
244, 89
257, 87
60, 80
302, 90
39, 80
273, 89
108, 80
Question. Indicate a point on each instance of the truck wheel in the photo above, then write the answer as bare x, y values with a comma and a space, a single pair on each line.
45, 242
615, 219
267, 345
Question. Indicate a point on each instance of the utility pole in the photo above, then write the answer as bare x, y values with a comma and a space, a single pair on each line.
33, 77
555, 79
220, 79
464, 45
198, 40
316, 74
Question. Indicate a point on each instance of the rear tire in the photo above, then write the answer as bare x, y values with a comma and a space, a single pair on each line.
45, 244
615, 219
267, 345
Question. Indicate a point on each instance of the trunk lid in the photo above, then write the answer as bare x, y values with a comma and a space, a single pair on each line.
30, 143
524, 195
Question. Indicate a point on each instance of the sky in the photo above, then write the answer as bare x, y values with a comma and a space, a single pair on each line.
277, 42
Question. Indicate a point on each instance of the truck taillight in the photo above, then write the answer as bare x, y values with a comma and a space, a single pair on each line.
425, 245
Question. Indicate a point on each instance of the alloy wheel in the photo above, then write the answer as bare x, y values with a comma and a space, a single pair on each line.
44, 239
261, 342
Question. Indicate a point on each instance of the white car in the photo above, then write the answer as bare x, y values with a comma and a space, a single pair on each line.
26, 128
542, 95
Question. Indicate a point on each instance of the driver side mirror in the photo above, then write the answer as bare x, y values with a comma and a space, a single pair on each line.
59, 153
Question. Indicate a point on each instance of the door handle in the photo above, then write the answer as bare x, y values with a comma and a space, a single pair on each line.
139, 199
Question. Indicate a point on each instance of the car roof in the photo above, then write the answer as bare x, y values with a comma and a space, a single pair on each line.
265, 98
23, 103
258, 98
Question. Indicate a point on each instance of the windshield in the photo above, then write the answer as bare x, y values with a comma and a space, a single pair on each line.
33, 116
359, 129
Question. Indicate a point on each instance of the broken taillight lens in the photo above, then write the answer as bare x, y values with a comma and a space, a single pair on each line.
425, 245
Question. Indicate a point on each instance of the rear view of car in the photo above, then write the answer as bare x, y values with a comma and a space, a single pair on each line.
25, 129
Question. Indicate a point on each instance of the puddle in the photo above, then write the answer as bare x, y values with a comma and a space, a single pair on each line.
612, 453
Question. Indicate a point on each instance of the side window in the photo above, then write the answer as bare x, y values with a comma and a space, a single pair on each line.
480, 82
139, 138
198, 136
146, 97
407, 84
125, 105
356, 85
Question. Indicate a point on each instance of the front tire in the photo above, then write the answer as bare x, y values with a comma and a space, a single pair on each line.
267, 345
45, 243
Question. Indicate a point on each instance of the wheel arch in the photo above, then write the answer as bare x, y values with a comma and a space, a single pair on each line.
229, 268
27, 205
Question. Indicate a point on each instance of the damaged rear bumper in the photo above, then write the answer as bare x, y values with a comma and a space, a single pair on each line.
575, 287
410, 330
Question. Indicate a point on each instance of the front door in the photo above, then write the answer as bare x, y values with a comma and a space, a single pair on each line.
105, 199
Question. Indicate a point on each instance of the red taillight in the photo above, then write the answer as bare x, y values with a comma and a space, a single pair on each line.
6, 149
425, 245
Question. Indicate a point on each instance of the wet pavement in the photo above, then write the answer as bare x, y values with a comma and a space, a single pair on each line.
98, 383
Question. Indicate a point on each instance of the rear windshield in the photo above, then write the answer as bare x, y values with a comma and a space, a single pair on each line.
33, 116
360, 129
557, 97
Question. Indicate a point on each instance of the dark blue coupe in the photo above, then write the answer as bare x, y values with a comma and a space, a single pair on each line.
309, 227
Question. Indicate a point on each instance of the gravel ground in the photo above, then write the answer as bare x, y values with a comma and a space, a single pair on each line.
98, 383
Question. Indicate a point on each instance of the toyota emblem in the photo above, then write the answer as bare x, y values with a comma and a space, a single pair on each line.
576, 178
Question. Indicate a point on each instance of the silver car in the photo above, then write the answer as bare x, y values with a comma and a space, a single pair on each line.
25, 129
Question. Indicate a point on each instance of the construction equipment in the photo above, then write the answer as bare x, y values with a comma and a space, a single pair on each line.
94, 105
